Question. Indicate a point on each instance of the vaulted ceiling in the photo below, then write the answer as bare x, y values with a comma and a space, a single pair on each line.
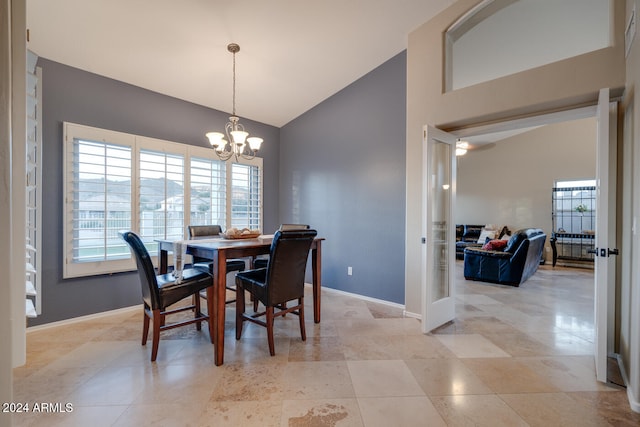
294, 53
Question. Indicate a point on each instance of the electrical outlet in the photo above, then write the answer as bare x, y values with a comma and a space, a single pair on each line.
349, 271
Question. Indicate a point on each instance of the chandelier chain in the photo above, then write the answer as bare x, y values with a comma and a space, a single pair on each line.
234, 84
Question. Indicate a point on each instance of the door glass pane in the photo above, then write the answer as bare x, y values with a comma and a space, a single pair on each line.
440, 210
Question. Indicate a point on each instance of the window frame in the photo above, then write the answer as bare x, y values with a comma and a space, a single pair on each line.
136, 143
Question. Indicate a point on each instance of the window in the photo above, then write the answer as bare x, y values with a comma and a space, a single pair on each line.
116, 182
161, 201
208, 191
98, 200
246, 203
500, 38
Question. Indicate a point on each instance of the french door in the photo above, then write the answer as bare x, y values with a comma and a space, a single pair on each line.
605, 244
438, 228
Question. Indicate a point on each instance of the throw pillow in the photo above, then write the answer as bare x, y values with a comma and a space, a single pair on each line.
486, 234
495, 245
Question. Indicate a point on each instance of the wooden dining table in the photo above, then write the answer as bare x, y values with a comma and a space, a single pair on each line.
219, 251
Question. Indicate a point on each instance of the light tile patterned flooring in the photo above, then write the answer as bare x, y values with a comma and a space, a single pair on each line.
513, 357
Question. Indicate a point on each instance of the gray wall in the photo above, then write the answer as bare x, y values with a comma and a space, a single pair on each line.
77, 96
342, 170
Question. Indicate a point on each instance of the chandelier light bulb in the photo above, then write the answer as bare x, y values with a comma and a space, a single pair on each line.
254, 143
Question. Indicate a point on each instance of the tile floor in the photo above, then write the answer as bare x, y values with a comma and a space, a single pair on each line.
513, 356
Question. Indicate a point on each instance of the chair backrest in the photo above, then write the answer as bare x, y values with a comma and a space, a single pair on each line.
148, 280
203, 230
287, 265
289, 227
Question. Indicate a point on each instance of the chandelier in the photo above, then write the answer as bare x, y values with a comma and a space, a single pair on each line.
238, 143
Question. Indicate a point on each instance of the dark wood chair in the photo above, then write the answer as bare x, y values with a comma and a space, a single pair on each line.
161, 291
281, 281
204, 231
262, 262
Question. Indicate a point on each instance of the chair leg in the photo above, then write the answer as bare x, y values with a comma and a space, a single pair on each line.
158, 320
272, 350
145, 326
239, 310
197, 313
303, 332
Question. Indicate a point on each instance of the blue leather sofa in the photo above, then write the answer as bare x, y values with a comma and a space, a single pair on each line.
519, 260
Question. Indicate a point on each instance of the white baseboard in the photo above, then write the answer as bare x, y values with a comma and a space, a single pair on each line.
87, 317
414, 315
634, 403
362, 297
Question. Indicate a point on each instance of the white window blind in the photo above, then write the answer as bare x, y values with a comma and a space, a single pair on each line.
116, 181
98, 204
208, 191
246, 199
33, 282
161, 203
102, 200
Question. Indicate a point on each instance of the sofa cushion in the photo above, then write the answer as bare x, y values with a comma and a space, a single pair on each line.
495, 245
486, 234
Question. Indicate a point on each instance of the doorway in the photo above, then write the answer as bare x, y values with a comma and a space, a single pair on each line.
516, 167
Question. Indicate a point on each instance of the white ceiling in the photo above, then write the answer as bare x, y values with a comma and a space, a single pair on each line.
294, 53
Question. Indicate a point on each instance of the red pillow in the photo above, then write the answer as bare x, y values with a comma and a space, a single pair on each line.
495, 245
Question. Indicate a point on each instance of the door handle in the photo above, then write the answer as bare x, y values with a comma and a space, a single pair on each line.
604, 252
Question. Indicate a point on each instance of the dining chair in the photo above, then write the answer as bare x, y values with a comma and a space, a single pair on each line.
203, 231
159, 292
281, 281
263, 261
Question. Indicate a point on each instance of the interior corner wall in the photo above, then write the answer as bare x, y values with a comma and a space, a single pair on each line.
6, 290
70, 94
342, 171
510, 183
629, 339
561, 85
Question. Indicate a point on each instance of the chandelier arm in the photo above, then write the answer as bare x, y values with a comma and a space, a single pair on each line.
225, 157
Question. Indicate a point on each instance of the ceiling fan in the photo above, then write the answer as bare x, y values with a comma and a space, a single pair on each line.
463, 146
